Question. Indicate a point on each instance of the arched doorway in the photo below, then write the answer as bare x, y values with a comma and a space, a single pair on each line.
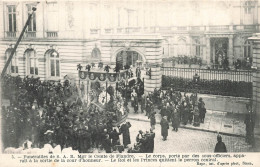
128, 58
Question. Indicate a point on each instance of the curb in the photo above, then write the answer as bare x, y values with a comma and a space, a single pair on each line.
204, 130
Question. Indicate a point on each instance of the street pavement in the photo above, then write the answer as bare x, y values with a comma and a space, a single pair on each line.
215, 121
195, 139
187, 140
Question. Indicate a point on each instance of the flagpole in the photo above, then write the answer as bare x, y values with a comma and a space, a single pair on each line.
17, 43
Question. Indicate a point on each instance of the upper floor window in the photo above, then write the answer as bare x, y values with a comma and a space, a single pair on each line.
32, 62
249, 5
118, 17
52, 16
32, 23
11, 11
13, 67
93, 15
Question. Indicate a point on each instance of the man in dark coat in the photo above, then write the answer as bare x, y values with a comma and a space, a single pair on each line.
114, 135
107, 144
124, 129
249, 126
175, 119
150, 144
164, 128
202, 110
135, 104
220, 146
152, 120
142, 103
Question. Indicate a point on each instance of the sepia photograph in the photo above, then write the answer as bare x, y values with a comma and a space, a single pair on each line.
129, 76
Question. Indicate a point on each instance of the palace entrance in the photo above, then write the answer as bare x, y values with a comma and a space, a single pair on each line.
219, 51
128, 58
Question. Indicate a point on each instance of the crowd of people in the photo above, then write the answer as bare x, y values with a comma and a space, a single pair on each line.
46, 112
52, 113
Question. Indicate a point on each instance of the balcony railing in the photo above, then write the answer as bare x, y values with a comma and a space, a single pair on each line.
11, 34
195, 28
30, 34
94, 31
119, 30
249, 27
52, 34
108, 30
218, 28
182, 28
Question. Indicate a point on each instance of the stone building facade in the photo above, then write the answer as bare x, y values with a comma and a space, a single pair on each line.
63, 34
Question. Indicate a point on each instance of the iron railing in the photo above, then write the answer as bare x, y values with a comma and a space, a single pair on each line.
209, 74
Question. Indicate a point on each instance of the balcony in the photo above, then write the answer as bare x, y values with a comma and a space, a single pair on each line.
119, 30
11, 34
182, 28
52, 34
164, 29
218, 28
30, 34
195, 28
108, 30
94, 31
249, 27
132, 29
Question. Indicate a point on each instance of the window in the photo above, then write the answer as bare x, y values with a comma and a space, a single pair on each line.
107, 16
249, 5
32, 23
52, 16
93, 16
118, 17
54, 64
247, 49
197, 47
11, 18
95, 53
13, 67
32, 62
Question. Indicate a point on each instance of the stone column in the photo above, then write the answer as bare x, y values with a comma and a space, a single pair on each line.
154, 60
256, 79
230, 50
208, 50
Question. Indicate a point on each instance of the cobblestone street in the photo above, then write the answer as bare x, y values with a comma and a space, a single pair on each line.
186, 140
